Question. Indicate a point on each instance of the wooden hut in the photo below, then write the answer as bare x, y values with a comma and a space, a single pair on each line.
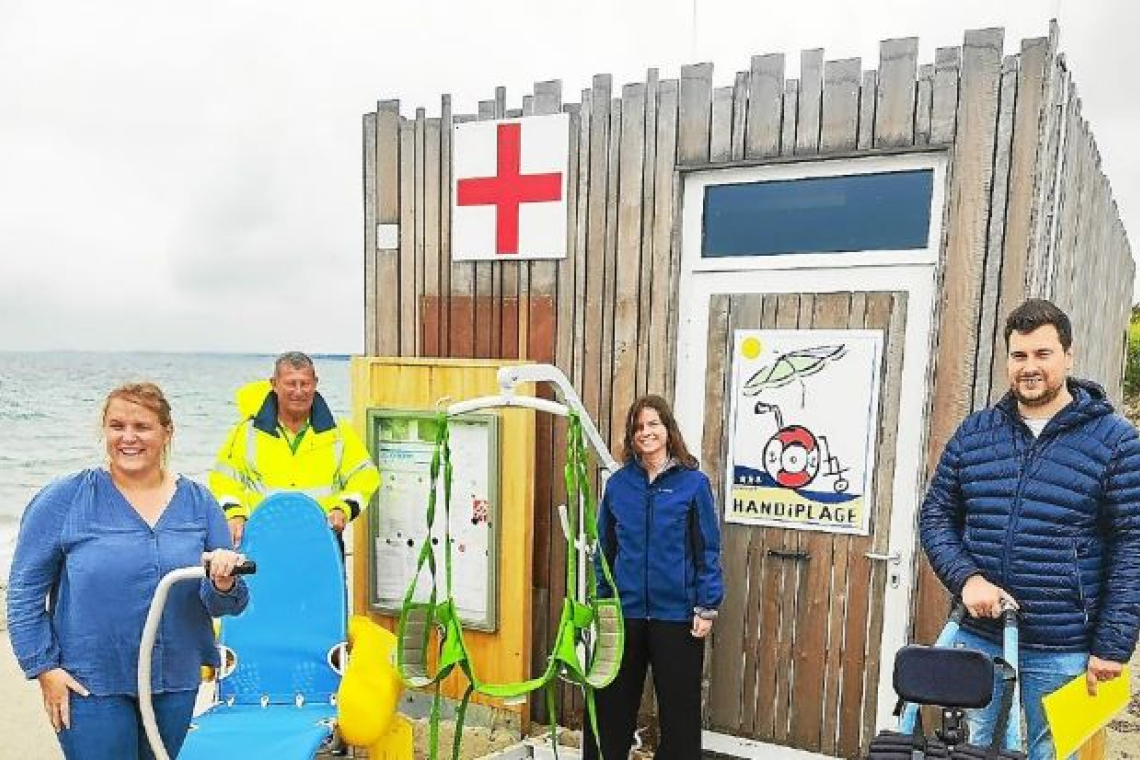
1018, 206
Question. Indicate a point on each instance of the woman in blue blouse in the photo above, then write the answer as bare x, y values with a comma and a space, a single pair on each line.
91, 550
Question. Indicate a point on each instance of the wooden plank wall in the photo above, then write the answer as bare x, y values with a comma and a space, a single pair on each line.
1028, 211
1087, 267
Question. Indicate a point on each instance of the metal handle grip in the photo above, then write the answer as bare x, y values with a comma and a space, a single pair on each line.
245, 567
796, 554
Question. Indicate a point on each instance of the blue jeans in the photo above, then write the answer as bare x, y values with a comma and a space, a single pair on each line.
1039, 674
109, 727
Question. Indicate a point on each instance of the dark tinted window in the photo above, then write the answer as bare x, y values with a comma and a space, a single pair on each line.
858, 212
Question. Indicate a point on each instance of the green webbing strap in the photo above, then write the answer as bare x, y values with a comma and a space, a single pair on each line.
460, 715
418, 618
551, 712
433, 725
425, 614
443, 440
605, 657
578, 490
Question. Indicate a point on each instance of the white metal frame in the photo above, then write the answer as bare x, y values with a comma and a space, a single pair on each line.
146, 648
911, 271
510, 377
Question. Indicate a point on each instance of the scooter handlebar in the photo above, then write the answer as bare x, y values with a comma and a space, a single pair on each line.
245, 567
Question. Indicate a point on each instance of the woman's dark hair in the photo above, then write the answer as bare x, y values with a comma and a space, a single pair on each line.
675, 443
1035, 313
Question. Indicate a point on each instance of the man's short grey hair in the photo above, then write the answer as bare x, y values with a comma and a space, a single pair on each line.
295, 360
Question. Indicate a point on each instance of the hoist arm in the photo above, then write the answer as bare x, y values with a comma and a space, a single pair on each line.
510, 377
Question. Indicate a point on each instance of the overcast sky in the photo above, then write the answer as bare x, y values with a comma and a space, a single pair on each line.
187, 176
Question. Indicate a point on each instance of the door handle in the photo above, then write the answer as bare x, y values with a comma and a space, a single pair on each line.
894, 575
795, 554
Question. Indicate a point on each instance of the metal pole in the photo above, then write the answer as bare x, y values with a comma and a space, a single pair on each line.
146, 646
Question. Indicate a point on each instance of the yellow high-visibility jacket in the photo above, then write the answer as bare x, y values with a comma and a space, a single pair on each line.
331, 464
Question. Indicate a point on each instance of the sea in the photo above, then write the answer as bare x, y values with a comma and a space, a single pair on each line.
51, 404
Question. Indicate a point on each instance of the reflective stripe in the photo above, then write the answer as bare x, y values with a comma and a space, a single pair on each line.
251, 477
253, 481
364, 465
338, 455
251, 446
224, 469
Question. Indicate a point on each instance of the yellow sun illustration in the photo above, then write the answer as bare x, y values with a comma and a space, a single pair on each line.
751, 347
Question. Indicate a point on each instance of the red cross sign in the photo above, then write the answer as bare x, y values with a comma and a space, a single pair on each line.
510, 188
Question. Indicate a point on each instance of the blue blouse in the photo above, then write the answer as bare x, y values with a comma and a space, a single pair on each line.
83, 574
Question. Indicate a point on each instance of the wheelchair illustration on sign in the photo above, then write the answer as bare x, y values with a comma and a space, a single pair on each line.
793, 455
796, 456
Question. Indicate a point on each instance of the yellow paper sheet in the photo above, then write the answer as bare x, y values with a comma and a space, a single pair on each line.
1074, 716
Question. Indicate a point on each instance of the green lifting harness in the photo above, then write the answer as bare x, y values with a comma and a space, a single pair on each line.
601, 658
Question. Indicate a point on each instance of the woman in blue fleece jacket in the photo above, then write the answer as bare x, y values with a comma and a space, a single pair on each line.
660, 531
91, 550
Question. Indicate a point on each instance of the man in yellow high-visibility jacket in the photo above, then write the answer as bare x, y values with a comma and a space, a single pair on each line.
288, 440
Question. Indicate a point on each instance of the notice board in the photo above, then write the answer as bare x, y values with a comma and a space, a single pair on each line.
403, 444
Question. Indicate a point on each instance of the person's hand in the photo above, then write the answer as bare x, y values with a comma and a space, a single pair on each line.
701, 627
1101, 670
57, 685
337, 519
222, 563
983, 599
237, 529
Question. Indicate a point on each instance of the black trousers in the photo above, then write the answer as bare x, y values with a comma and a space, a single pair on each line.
676, 658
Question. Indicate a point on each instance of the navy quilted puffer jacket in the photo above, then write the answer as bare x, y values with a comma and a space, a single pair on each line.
1054, 520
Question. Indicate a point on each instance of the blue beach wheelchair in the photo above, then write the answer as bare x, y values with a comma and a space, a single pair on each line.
284, 656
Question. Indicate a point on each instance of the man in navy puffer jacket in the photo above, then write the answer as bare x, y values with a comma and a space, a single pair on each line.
1036, 501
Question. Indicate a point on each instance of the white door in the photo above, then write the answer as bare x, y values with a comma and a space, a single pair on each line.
800, 659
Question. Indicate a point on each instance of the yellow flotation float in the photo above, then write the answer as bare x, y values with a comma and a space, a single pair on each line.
369, 694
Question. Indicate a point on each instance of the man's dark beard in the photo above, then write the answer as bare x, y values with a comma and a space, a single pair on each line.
1042, 400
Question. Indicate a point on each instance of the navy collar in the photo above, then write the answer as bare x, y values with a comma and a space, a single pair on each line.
1089, 401
320, 417
672, 463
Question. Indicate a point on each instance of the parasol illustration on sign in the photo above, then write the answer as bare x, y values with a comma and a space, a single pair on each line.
804, 418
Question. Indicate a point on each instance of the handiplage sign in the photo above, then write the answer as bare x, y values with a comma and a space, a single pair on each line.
805, 408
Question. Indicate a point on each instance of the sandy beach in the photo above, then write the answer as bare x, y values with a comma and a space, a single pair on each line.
26, 735
23, 725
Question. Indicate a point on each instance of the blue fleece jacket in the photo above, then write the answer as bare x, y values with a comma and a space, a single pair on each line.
662, 540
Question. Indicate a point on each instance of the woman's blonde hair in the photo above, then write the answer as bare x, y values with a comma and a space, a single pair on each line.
148, 396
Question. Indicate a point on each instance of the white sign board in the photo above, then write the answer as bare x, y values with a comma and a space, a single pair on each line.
508, 195
802, 429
